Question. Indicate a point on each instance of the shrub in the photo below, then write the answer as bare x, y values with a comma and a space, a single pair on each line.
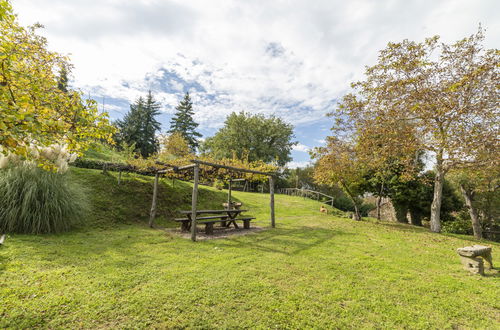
35, 201
460, 224
365, 208
218, 184
343, 203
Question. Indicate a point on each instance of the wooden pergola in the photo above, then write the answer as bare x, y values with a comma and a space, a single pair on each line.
194, 200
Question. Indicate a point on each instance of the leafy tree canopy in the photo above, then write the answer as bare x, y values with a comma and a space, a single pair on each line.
338, 163
174, 146
253, 136
446, 97
35, 113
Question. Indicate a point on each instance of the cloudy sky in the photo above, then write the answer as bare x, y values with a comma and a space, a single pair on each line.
292, 59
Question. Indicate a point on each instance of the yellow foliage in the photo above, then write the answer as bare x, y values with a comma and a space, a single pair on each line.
174, 145
34, 111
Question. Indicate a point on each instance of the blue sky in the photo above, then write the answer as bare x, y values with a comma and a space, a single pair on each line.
291, 59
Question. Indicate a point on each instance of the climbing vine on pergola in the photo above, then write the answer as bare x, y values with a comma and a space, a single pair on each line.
213, 170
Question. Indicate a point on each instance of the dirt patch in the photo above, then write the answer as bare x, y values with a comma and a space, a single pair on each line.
219, 232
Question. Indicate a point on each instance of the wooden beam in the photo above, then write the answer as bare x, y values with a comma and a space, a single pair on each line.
152, 214
165, 164
185, 167
176, 169
271, 192
237, 169
194, 201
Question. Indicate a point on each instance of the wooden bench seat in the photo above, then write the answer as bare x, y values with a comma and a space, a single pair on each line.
246, 222
209, 225
202, 218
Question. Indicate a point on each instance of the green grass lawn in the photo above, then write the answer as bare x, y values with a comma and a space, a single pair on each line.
312, 271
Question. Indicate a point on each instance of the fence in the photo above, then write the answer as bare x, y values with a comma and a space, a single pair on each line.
306, 193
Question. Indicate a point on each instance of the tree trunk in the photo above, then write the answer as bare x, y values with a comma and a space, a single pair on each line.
416, 217
379, 200
476, 225
357, 215
379, 203
438, 196
436, 203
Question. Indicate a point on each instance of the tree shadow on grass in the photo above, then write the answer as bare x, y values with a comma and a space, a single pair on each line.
423, 230
3, 260
3, 264
124, 250
403, 227
286, 241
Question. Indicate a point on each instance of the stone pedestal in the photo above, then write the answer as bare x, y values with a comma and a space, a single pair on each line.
472, 258
473, 265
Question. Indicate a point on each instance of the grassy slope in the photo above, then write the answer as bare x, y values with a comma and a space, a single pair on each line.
104, 153
313, 270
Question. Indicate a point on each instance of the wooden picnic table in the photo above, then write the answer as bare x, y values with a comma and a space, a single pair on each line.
225, 217
213, 211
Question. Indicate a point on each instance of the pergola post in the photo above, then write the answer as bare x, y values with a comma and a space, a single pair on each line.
271, 193
229, 194
194, 201
152, 214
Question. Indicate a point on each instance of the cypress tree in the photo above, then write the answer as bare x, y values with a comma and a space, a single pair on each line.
183, 123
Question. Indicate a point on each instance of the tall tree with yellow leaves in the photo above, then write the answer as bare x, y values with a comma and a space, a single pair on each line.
447, 97
35, 112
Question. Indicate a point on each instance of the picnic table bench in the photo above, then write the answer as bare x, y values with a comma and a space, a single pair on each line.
224, 217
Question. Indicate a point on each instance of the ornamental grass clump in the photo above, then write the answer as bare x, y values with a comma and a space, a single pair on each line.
35, 201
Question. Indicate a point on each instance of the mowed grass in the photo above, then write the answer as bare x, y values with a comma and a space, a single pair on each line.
311, 271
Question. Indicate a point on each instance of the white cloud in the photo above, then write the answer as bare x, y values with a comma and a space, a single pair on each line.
291, 60
298, 164
301, 147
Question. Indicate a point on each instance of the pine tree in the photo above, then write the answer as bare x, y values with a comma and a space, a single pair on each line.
183, 123
62, 80
139, 126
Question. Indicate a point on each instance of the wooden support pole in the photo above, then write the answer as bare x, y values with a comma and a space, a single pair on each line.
229, 194
271, 192
194, 201
119, 177
152, 214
